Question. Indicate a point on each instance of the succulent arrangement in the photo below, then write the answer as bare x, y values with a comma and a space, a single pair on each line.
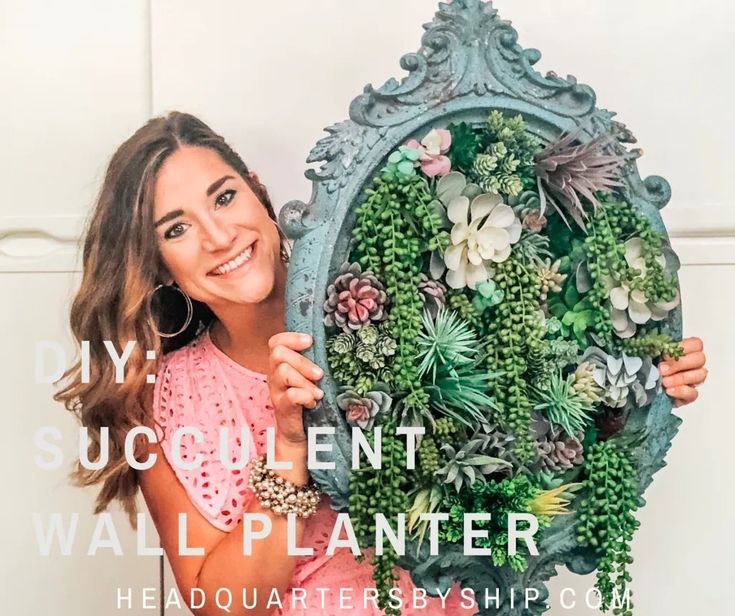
502, 294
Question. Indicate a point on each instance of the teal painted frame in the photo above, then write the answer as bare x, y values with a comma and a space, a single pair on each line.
469, 62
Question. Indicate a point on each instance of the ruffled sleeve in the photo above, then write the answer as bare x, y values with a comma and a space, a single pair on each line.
192, 391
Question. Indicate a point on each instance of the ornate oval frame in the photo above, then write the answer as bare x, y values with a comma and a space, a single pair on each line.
469, 63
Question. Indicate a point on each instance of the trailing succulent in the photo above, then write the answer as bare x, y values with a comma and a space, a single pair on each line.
502, 294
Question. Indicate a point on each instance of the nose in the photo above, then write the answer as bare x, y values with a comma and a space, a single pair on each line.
217, 234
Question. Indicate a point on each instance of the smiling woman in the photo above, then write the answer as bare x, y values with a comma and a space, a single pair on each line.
179, 210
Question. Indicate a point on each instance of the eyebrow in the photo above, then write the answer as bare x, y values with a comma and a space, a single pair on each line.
218, 183
176, 213
166, 217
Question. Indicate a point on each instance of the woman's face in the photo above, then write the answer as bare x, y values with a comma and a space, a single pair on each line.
215, 236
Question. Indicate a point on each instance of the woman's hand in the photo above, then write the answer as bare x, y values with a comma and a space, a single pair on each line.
681, 377
290, 384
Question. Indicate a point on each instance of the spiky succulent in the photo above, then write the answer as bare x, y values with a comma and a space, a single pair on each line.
461, 393
354, 299
445, 341
468, 464
562, 405
532, 248
567, 171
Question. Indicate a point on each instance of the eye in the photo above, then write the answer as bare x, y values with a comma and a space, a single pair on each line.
174, 231
225, 197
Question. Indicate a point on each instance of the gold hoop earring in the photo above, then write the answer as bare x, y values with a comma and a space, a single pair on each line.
284, 254
189, 311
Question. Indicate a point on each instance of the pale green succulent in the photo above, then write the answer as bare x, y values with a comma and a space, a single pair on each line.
469, 465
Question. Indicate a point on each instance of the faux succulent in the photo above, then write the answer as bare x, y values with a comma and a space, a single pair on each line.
433, 292
482, 233
583, 383
625, 380
550, 278
354, 299
488, 294
364, 410
568, 172
496, 171
468, 464
556, 449
433, 149
496, 442
401, 163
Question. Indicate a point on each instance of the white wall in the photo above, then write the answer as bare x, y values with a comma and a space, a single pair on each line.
77, 77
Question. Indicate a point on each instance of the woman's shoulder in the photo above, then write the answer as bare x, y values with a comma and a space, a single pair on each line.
185, 358
189, 382
194, 402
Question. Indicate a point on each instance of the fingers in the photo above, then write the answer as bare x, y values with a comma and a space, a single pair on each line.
292, 373
690, 361
292, 340
289, 378
684, 394
282, 354
693, 344
688, 377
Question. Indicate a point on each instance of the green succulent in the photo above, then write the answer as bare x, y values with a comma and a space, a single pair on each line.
401, 163
465, 145
468, 465
562, 405
606, 521
448, 342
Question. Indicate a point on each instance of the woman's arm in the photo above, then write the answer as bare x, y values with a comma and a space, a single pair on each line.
223, 564
680, 377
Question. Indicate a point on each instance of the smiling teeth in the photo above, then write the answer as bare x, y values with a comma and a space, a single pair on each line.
239, 260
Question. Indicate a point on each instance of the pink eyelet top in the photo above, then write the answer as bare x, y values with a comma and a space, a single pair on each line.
200, 386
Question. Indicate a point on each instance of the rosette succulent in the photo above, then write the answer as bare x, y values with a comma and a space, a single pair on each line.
433, 149
354, 299
468, 464
364, 410
625, 380
433, 292
401, 163
555, 449
550, 277
628, 304
484, 228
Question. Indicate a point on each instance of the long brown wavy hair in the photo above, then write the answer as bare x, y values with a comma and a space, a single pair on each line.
121, 269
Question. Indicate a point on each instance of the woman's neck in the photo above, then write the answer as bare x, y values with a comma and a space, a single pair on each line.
247, 329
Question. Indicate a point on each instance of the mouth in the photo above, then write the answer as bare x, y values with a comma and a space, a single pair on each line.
238, 262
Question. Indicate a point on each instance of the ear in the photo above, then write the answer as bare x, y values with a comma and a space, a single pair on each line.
165, 278
254, 177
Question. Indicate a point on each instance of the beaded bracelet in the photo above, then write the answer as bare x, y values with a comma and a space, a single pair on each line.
281, 495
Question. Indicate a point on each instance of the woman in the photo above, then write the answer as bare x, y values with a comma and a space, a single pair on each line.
184, 255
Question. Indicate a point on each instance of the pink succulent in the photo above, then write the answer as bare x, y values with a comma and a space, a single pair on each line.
359, 413
433, 148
